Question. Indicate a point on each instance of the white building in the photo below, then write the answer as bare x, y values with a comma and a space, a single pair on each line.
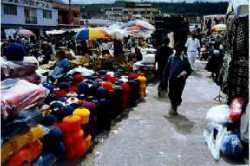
115, 14
31, 14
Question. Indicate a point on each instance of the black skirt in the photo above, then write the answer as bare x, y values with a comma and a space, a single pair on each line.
176, 87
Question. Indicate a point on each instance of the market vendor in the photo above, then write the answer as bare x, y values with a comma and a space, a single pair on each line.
62, 64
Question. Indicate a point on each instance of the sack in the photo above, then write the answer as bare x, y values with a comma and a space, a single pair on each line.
231, 145
213, 137
218, 114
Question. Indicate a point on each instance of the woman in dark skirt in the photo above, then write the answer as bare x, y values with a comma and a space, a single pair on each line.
174, 76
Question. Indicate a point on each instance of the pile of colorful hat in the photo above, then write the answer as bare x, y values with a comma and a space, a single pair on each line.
79, 107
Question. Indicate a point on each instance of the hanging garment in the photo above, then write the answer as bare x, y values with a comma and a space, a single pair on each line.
238, 77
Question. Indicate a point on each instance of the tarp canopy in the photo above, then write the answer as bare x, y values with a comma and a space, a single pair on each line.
141, 24
136, 28
139, 28
116, 31
55, 32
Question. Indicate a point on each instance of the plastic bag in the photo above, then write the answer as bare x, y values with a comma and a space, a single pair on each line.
18, 95
213, 137
236, 109
231, 145
218, 114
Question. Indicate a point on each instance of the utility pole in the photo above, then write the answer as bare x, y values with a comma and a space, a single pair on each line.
70, 19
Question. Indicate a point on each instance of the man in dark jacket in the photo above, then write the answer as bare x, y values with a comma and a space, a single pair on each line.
174, 76
161, 58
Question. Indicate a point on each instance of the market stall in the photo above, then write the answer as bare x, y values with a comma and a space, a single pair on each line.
227, 130
59, 117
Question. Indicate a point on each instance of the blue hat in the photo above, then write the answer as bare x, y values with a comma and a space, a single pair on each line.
49, 120
15, 52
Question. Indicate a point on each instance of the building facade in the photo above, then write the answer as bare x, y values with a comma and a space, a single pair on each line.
146, 11
68, 14
116, 14
132, 11
30, 14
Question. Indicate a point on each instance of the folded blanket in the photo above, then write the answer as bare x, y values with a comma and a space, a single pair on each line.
18, 95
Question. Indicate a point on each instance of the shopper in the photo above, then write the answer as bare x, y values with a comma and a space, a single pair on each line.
138, 54
161, 58
175, 74
193, 48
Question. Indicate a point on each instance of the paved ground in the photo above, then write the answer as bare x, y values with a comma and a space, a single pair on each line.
149, 137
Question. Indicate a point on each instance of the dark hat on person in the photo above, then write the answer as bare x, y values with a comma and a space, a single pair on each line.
179, 45
166, 40
15, 52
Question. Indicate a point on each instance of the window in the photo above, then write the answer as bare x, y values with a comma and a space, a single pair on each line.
30, 15
10, 9
47, 14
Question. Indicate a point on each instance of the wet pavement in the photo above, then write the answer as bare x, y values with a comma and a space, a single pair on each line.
148, 136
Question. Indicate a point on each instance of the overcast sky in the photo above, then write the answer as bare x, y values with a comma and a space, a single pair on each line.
111, 1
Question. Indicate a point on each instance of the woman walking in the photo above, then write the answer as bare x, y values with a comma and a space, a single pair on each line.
174, 76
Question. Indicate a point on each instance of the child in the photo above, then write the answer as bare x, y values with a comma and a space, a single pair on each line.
174, 75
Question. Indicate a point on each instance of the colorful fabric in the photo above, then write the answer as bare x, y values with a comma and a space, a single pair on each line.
18, 95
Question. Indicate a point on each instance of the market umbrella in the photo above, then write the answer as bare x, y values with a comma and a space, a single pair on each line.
133, 29
25, 33
92, 34
219, 28
142, 24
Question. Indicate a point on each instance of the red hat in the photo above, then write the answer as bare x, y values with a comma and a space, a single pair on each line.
107, 85
132, 76
60, 93
73, 88
78, 77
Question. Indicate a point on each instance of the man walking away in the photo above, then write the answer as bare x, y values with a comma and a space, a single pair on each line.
175, 74
193, 47
161, 58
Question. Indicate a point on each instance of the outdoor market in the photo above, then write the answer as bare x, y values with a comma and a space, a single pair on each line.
71, 95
